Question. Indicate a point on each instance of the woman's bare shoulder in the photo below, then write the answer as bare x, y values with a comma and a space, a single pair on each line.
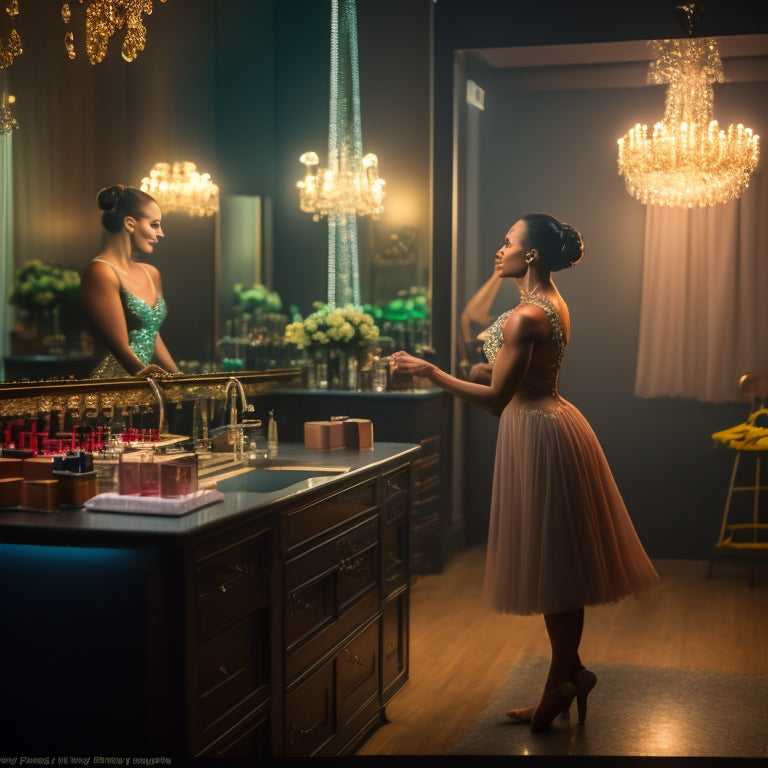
527, 321
99, 270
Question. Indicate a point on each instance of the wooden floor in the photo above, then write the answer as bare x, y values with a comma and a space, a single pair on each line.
459, 651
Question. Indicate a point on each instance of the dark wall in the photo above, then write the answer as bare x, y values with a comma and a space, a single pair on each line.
670, 471
672, 475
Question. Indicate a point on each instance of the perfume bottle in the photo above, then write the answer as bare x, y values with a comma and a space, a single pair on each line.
272, 435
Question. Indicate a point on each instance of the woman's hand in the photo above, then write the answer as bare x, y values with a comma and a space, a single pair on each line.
402, 362
151, 370
481, 373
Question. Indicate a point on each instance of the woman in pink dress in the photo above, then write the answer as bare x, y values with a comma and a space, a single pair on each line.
560, 536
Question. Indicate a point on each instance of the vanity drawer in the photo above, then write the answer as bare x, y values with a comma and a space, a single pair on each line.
330, 590
303, 524
397, 481
426, 468
394, 646
323, 711
231, 582
394, 555
232, 674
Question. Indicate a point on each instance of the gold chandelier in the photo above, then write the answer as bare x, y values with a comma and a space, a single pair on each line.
7, 120
11, 47
179, 188
687, 160
105, 17
349, 185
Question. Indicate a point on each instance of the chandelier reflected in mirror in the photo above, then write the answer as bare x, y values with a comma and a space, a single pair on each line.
7, 120
180, 188
350, 186
687, 160
102, 19
10, 47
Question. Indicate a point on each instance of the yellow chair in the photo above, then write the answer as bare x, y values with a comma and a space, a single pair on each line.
748, 438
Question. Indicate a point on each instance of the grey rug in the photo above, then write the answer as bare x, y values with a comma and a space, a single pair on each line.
633, 712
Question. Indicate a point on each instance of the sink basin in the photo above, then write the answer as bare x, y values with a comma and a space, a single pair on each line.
268, 480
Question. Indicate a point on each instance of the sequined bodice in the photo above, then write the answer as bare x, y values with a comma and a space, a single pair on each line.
148, 319
544, 368
144, 321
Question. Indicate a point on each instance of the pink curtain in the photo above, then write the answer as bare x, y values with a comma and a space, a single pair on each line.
704, 308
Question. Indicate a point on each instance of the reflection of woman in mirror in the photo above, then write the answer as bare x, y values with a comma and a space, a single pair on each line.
122, 297
560, 537
474, 319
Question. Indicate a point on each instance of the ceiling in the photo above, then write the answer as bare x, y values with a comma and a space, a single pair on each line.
610, 65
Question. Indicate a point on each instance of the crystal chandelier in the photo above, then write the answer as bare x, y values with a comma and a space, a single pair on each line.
11, 47
687, 160
353, 186
179, 188
7, 120
105, 17
350, 186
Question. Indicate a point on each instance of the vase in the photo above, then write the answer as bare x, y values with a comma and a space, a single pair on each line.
320, 357
336, 368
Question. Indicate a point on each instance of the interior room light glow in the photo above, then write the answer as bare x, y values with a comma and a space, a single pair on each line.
180, 188
687, 160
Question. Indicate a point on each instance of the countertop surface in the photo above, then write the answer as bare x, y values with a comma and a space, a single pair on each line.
81, 524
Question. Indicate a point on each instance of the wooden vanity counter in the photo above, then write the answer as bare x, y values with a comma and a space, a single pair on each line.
267, 624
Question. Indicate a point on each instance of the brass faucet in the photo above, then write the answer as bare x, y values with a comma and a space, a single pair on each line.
236, 431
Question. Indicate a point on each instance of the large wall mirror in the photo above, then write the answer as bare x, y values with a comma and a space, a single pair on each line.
218, 83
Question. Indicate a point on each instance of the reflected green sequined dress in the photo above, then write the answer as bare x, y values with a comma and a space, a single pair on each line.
144, 321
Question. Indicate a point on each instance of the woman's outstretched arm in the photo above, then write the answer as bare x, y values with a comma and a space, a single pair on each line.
521, 331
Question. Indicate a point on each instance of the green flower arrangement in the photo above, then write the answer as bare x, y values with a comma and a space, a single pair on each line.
410, 304
341, 327
257, 298
40, 286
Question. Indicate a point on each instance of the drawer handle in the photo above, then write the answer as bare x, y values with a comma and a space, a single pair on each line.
296, 731
349, 561
237, 571
393, 486
298, 606
353, 658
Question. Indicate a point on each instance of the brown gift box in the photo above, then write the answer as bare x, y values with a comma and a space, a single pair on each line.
40, 494
10, 491
38, 468
76, 488
358, 433
10, 467
334, 435
324, 435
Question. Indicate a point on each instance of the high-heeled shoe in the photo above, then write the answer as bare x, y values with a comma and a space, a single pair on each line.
584, 680
521, 714
551, 705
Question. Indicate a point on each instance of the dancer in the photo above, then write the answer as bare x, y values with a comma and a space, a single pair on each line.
560, 536
122, 297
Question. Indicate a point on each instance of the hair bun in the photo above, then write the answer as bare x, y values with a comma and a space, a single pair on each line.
108, 197
573, 245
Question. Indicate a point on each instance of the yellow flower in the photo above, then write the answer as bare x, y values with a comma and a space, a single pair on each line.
343, 326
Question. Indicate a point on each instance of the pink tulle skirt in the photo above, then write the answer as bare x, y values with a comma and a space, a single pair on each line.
560, 536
